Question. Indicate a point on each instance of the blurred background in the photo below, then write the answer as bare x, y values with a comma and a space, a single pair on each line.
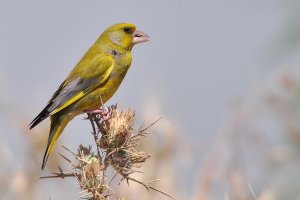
224, 75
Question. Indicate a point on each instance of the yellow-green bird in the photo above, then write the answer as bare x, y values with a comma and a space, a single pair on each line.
93, 81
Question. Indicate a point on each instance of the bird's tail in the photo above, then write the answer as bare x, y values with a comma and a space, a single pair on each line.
58, 123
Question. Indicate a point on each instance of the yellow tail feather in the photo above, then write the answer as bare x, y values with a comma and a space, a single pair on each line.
57, 127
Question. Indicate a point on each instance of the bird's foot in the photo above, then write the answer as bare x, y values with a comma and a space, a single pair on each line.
104, 114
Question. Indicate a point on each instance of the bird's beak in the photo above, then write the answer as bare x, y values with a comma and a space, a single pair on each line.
139, 37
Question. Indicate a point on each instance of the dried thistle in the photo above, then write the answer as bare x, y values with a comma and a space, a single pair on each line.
121, 142
117, 129
117, 148
89, 173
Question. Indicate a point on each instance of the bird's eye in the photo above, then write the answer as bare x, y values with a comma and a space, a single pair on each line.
127, 30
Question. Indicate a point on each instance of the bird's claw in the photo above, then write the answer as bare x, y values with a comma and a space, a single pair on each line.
104, 114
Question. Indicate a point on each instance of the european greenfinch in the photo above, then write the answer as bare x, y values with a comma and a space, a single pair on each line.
93, 81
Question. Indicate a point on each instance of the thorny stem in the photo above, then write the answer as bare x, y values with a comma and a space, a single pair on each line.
147, 186
147, 127
94, 134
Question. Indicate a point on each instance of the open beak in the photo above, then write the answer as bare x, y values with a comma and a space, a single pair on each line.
139, 37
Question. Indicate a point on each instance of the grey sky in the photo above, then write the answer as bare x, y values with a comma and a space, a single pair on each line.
201, 52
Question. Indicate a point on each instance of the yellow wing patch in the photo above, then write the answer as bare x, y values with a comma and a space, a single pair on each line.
72, 100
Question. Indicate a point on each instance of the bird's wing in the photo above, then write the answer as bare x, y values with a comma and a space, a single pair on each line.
88, 78
81, 81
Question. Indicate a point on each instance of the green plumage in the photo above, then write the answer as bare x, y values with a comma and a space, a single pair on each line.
94, 80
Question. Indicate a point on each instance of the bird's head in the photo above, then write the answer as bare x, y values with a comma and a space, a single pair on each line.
123, 35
